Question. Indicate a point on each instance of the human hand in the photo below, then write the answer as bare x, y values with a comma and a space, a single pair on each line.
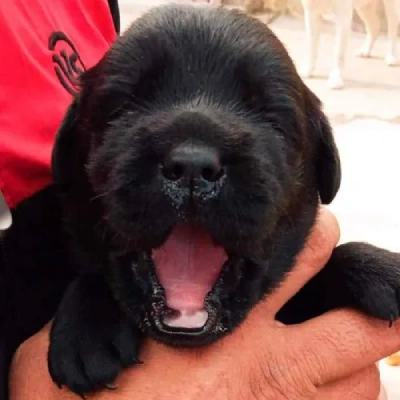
330, 357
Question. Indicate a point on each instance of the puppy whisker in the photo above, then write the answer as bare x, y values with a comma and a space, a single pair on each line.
101, 195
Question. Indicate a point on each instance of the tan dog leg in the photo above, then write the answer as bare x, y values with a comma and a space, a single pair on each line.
344, 15
368, 13
252, 6
312, 24
392, 10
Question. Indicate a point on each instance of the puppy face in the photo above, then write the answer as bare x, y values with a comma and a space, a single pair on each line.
190, 167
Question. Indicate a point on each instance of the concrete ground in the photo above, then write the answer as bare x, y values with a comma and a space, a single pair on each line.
366, 118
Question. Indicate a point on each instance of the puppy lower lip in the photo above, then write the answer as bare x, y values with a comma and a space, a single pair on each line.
188, 320
194, 331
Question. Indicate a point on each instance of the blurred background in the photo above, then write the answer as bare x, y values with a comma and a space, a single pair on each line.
365, 114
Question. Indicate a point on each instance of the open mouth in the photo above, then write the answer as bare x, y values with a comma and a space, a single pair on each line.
187, 266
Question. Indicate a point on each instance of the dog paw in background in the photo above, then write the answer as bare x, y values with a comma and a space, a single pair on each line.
335, 80
392, 10
370, 19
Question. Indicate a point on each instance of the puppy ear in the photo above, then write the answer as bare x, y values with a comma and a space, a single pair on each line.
72, 139
327, 162
63, 155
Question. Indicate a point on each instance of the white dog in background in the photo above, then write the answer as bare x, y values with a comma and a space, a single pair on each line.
343, 14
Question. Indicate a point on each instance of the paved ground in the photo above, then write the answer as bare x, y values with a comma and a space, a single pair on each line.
366, 117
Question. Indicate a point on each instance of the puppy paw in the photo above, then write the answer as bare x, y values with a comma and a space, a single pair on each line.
335, 80
378, 299
357, 275
90, 341
365, 277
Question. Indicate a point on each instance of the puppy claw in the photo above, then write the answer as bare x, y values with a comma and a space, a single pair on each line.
111, 386
393, 319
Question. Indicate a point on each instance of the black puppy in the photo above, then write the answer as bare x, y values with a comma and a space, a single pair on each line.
191, 167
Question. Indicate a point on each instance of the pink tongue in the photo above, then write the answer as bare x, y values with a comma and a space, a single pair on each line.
187, 265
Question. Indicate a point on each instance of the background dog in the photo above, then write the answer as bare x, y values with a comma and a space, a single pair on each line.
343, 13
190, 168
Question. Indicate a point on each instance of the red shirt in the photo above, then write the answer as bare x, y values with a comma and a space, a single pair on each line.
44, 46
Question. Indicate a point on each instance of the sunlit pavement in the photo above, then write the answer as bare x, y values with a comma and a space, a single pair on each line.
367, 204
366, 118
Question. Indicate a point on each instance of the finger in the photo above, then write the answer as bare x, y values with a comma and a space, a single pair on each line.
29, 375
322, 240
363, 385
343, 342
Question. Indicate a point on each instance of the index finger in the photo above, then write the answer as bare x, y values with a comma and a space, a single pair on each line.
341, 342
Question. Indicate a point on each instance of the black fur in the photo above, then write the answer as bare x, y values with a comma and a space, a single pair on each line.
34, 272
214, 77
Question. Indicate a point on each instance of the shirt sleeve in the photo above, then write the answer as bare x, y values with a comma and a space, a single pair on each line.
45, 46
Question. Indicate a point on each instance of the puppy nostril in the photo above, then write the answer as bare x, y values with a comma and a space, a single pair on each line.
173, 171
213, 173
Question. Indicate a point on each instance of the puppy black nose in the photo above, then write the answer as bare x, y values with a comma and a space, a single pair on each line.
193, 162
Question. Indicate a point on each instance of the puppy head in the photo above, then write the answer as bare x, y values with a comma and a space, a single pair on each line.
194, 157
